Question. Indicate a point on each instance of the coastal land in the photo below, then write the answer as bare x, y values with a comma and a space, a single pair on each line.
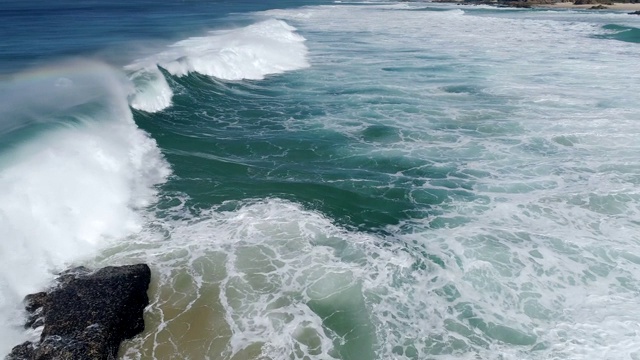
632, 7
610, 6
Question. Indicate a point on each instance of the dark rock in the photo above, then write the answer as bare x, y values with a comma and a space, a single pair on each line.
22, 351
514, 4
87, 315
35, 301
635, 13
522, 3
34, 304
598, 7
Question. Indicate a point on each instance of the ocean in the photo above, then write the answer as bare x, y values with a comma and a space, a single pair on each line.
329, 180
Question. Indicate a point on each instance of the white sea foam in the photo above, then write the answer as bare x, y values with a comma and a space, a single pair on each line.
252, 52
268, 279
69, 189
539, 144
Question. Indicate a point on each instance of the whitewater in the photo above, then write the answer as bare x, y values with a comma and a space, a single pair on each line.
363, 180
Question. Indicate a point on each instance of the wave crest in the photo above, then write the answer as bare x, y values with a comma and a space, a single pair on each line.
252, 52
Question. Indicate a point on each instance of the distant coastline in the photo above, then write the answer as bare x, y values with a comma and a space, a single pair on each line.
579, 4
610, 6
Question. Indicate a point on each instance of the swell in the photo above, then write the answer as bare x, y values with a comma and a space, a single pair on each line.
251, 52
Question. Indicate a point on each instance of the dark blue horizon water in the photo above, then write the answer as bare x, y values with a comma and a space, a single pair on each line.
35, 33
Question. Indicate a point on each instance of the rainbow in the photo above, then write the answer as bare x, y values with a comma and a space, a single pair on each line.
71, 69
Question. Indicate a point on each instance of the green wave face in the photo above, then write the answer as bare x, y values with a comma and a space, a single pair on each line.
621, 33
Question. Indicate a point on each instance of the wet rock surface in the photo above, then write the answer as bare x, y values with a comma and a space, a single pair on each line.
87, 314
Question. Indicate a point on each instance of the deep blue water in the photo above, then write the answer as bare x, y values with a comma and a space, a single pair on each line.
38, 32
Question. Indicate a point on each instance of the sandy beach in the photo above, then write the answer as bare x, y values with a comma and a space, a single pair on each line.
615, 6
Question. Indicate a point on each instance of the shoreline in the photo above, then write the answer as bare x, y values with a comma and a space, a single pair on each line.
570, 5
566, 5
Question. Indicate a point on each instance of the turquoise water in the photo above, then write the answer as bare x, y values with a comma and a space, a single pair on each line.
622, 33
334, 181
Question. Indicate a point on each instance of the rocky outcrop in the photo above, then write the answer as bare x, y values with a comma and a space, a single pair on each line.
503, 3
87, 314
